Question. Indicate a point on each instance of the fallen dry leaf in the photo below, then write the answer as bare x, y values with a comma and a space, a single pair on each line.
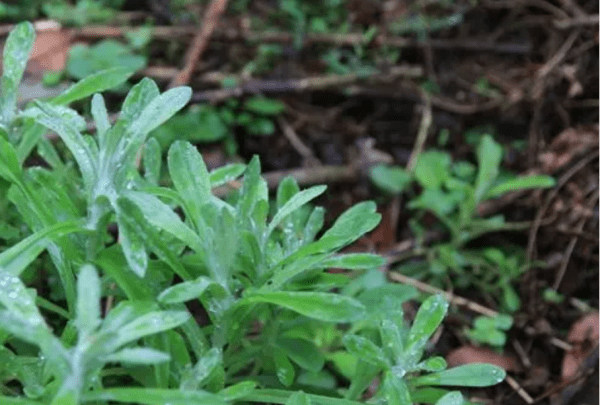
472, 354
583, 335
567, 145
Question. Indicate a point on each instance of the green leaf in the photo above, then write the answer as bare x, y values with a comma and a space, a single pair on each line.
354, 261
152, 160
366, 350
131, 241
469, 375
521, 183
302, 352
154, 396
185, 291
489, 156
264, 106
391, 179
202, 371
10, 169
149, 324
392, 341
429, 316
88, 300
190, 177
272, 396
138, 355
260, 126
138, 98
298, 398
100, 115
94, 83
159, 110
162, 216
297, 201
53, 117
225, 174
18, 300
396, 391
433, 364
451, 398
16, 52
433, 169
322, 306
16, 258
237, 391
283, 368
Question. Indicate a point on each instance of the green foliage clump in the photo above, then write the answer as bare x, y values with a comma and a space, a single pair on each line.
115, 328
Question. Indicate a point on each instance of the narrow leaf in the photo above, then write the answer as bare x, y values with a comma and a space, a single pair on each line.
293, 204
489, 156
366, 350
149, 324
138, 98
100, 115
322, 306
469, 375
154, 396
94, 83
16, 258
185, 291
354, 261
225, 174
88, 300
521, 183
428, 318
16, 52
298, 398
138, 355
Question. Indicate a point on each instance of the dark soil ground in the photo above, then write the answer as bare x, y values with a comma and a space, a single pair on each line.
526, 69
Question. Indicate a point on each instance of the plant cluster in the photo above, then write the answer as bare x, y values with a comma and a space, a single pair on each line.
452, 191
116, 326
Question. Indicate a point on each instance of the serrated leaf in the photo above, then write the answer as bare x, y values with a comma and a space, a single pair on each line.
469, 375
323, 306
17, 48
94, 83
88, 300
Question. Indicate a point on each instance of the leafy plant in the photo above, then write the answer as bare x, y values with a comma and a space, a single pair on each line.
206, 123
452, 192
115, 327
85, 60
490, 331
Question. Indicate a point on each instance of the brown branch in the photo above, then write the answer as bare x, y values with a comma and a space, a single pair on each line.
200, 42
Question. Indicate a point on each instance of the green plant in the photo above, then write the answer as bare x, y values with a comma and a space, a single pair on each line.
452, 191
490, 331
85, 60
206, 123
114, 326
